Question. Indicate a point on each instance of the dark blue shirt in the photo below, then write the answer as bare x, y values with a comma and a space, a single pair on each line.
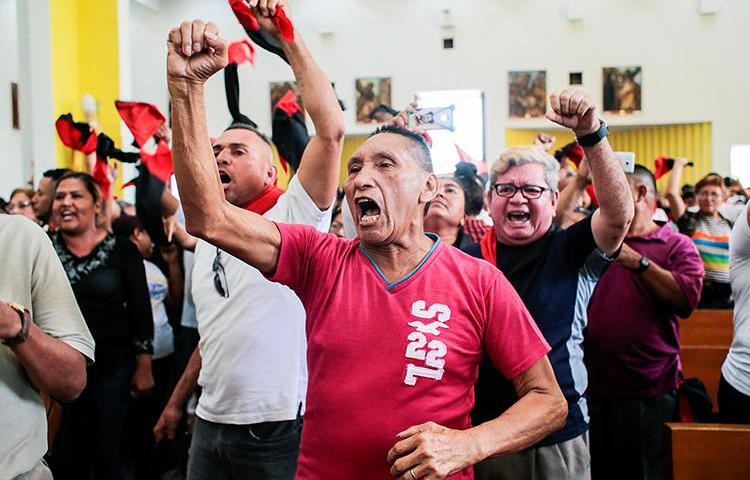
555, 277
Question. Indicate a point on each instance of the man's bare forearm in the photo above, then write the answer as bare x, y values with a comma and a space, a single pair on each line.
188, 381
613, 192
664, 287
676, 203
316, 90
320, 166
540, 410
569, 197
194, 164
52, 365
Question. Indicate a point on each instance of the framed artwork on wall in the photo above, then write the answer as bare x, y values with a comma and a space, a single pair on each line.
278, 89
621, 89
527, 93
370, 93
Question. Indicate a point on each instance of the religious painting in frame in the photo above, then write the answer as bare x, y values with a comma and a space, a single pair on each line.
370, 93
527, 94
278, 89
621, 89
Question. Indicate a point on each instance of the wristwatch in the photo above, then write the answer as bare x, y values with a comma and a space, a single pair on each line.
643, 265
25, 316
593, 138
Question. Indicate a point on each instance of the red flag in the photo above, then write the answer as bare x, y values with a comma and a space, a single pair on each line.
242, 51
465, 157
247, 18
662, 166
160, 163
101, 176
143, 119
76, 135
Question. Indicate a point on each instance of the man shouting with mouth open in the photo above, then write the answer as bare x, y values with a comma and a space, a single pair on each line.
397, 322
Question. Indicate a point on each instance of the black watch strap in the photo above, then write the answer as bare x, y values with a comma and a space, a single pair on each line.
595, 137
25, 316
643, 265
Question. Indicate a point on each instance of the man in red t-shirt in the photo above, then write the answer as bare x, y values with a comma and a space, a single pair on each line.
397, 322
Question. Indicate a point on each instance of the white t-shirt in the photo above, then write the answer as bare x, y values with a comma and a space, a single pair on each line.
158, 288
736, 368
32, 276
252, 343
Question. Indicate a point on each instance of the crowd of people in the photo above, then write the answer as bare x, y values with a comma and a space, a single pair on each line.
519, 324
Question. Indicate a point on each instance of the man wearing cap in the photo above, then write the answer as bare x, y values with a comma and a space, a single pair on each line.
554, 271
397, 321
633, 341
251, 356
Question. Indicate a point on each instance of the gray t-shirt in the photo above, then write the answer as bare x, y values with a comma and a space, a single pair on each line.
32, 275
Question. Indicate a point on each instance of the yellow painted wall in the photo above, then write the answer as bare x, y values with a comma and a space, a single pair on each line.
691, 140
351, 144
85, 59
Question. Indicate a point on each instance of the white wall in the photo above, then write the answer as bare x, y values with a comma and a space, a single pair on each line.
10, 140
695, 67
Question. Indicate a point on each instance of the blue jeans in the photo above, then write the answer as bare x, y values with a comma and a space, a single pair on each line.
262, 451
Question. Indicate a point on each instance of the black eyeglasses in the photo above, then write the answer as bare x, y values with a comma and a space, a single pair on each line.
222, 287
530, 192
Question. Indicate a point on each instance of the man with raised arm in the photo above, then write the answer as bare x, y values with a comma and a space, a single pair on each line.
251, 357
397, 322
554, 271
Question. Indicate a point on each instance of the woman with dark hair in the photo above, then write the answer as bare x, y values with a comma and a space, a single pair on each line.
109, 282
709, 230
459, 199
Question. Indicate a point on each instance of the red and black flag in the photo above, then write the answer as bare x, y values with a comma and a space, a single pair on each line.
262, 38
289, 131
143, 119
664, 164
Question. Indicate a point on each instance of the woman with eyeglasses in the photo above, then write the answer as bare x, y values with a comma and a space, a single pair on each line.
108, 279
20, 203
709, 230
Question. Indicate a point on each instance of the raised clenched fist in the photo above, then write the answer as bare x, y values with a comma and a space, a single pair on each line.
195, 52
574, 109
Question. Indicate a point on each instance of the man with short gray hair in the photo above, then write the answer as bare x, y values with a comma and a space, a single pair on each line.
554, 271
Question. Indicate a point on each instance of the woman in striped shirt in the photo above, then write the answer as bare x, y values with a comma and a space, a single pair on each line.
709, 231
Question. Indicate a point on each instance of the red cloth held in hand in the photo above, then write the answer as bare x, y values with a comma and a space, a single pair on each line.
143, 119
76, 135
247, 18
160, 163
242, 51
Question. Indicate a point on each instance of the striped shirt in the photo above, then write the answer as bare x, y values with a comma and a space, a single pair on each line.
711, 236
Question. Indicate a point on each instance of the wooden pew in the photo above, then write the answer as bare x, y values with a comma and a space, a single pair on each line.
704, 362
707, 327
700, 451
705, 338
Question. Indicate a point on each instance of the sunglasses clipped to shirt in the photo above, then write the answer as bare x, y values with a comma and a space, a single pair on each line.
220, 276
530, 192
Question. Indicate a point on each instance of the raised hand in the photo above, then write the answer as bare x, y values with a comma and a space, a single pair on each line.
574, 109
264, 11
266, 7
195, 52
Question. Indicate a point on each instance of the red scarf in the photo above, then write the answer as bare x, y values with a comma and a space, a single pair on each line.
489, 246
265, 201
